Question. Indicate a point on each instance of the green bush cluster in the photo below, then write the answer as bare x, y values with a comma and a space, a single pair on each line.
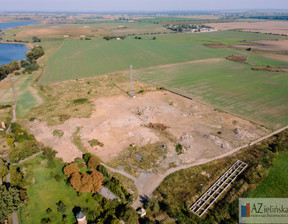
30, 64
24, 150
19, 134
80, 101
115, 186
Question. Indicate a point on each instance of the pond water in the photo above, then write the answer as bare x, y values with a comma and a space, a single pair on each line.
15, 24
11, 52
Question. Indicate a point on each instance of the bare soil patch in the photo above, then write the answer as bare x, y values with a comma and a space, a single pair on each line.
266, 45
275, 27
281, 57
237, 58
270, 69
119, 121
57, 31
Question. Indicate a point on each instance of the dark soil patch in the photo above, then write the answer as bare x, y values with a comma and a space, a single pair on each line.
237, 58
157, 126
270, 69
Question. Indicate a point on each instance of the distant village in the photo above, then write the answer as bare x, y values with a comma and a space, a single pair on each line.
189, 28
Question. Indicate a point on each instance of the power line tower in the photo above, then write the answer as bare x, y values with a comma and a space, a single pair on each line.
131, 85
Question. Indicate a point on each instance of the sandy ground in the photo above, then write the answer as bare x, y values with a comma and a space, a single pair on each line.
266, 45
119, 121
275, 27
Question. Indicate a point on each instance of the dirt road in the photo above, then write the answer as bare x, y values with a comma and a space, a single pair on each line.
146, 183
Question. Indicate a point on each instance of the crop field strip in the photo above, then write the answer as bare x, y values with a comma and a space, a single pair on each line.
215, 191
80, 59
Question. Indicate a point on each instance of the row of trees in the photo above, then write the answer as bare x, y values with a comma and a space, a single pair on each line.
8, 69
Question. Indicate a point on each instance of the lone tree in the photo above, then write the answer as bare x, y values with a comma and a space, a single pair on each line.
61, 207
93, 162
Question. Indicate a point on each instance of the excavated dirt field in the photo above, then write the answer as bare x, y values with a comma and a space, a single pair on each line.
120, 121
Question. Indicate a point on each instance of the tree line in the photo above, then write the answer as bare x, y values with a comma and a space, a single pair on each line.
29, 64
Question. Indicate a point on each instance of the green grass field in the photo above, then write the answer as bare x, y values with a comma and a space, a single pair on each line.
259, 96
25, 98
44, 192
275, 185
79, 59
260, 60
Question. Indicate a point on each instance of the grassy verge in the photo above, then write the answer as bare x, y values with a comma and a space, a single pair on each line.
275, 185
76, 139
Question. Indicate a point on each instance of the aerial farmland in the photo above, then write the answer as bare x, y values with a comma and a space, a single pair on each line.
146, 105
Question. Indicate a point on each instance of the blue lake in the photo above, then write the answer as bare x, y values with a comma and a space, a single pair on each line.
15, 24
11, 52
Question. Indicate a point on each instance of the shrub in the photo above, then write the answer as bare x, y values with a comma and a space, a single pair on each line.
31, 67
45, 221
32, 119
58, 178
20, 135
3, 168
86, 157
94, 142
58, 133
49, 153
63, 117
10, 141
103, 170
61, 207
16, 177
80, 101
179, 149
